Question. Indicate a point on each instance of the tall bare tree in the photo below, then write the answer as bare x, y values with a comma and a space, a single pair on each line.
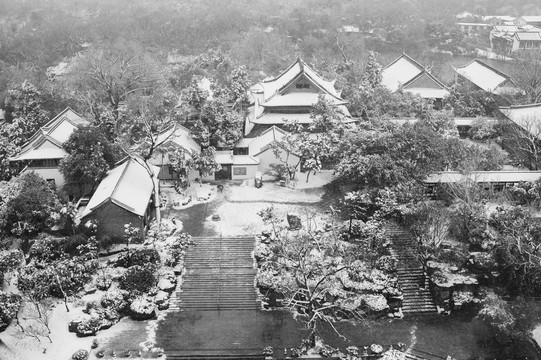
528, 74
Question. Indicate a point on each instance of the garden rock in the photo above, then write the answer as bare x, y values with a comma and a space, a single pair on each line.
72, 325
164, 305
294, 221
161, 297
166, 285
143, 308
90, 326
168, 280
80, 355
90, 289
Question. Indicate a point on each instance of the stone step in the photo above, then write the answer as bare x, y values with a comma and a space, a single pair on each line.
415, 301
419, 310
229, 354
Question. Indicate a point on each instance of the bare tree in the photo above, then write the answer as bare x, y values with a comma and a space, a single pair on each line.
110, 74
429, 225
528, 74
522, 139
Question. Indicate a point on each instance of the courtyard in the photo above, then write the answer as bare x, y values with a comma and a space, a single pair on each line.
248, 331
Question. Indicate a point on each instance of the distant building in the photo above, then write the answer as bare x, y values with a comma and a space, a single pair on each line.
488, 180
349, 29
474, 28
486, 78
124, 196
528, 20
406, 74
44, 150
519, 35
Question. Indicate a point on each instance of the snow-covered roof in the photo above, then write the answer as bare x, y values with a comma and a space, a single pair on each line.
482, 75
527, 117
499, 17
127, 185
426, 86
2, 116
528, 36
303, 99
42, 153
429, 93
407, 74
459, 121
180, 136
400, 71
349, 29
272, 86
258, 144
529, 19
506, 28
484, 176
53, 134
227, 158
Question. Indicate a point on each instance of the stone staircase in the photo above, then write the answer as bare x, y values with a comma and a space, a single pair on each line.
411, 278
219, 275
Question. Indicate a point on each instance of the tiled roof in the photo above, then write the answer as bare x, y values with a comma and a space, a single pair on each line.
484, 176
128, 186
56, 132
400, 71
531, 18
181, 137
272, 86
227, 158
303, 99
527, 117
528, 36
482, 75
426, 86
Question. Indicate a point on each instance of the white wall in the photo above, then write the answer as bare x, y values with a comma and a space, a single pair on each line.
250, 172
49, 173
268, 157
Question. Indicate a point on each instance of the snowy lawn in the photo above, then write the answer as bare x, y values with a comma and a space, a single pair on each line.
272, 191
242, 218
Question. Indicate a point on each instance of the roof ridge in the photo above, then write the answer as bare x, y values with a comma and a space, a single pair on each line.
120, 177
424, 72
283, 72
507, 77
520, 106
404, 55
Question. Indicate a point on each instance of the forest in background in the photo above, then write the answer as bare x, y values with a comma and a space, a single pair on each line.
37, 34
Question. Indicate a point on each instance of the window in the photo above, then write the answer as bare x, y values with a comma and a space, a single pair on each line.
298, 86
239, 171
305, 86
240, 151
45, 163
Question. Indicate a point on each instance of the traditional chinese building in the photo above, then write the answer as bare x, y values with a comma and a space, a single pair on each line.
406, 74
486, 78
290, 96
124, 196
44, 150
